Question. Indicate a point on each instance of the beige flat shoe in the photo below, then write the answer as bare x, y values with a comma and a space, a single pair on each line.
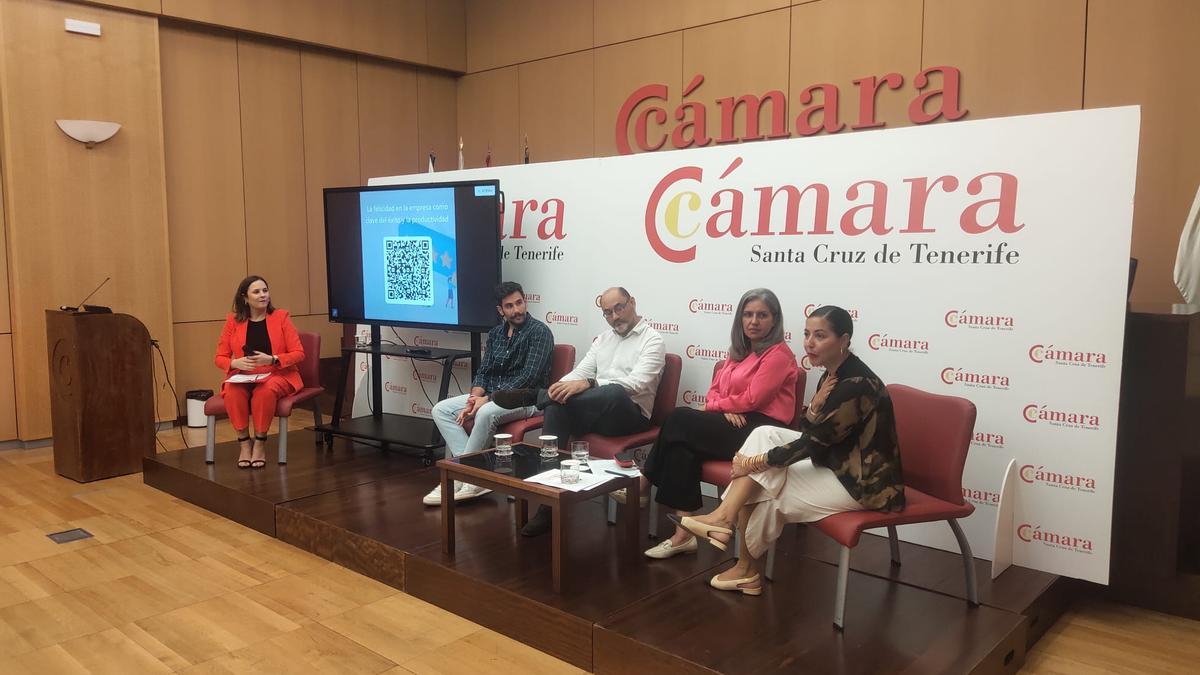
619, 496
666, 549
702, 530
736, 584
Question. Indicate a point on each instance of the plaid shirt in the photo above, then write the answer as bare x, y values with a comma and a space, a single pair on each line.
520, 362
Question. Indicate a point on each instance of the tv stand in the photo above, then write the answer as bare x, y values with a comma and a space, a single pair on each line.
389, 428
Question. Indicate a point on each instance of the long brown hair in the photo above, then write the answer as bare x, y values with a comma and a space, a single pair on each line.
241, 308
739, 344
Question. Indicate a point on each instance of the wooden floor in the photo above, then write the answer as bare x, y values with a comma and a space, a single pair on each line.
165, 586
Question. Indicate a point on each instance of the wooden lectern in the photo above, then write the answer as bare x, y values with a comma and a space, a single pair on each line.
101, 393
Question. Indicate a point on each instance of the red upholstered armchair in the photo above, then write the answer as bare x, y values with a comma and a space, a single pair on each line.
562, 360
309, 373
934, 434
716, 471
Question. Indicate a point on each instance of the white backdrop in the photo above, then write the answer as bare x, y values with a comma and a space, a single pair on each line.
1021, 310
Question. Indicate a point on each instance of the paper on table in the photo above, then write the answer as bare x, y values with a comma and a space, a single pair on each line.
587, 480
610, 465
243, 378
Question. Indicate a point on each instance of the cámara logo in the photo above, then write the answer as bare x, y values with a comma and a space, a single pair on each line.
956, 318
563, 319
1067, 357
981, 497
418, 376
972, 379
813, 306
699, 306
1035, 413
668, 328
988, 439
1039, 475
532, 298
806, 363
419, 409
694, 399
706, 353
1029, 533
424, 341
880, 341
395, 388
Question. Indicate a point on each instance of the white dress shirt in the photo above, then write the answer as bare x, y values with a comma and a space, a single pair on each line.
635, 362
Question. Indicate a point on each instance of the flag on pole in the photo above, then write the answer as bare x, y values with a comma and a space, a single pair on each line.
460, 159
526, 148
1187, 261
487, 161
432, 160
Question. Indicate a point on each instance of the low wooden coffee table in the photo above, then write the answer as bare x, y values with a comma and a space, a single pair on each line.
507, 475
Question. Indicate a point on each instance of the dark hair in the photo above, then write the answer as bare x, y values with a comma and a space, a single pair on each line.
241, 308
739, 344
838, 318
507, 288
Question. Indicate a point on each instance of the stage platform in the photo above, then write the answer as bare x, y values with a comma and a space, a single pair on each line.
361, 508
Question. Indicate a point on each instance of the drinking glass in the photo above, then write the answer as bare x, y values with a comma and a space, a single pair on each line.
549, 446
579, 453
569, 471
503, 445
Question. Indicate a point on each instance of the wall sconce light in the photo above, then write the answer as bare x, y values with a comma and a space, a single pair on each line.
88, 132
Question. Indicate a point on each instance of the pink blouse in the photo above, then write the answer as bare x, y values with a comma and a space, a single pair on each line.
763, 383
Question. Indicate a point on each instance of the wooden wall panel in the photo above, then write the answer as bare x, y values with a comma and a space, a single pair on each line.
446, 34
196, 345
8, 401
622, 69
887, 39
76, 215
203, 147
488, 117
1017, 57
620, 20
387, 118
437, 124
147, 6
1146, 53
5, 316
557, 108
504, 32
390, 28
273, 161
742, 56
331, 333
329, 84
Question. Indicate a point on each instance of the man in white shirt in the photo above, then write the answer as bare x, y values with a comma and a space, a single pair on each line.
610, 392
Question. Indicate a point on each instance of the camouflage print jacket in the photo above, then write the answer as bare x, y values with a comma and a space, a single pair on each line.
855, 437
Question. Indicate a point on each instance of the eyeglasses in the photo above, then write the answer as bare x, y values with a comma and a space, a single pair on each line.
616, 309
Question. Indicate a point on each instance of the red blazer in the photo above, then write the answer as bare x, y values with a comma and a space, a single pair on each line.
285, 344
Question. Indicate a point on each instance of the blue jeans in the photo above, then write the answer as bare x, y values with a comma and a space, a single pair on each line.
487, 418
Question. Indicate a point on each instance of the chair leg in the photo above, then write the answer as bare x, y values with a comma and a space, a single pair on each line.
653, 528
612, 508
968, 562
283, 425
210, 440
769, 573
894, 542
317, 420
839, 603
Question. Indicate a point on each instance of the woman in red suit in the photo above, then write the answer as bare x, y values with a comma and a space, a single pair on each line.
257, 339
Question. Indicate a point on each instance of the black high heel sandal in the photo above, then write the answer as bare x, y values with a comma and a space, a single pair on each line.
259, 463
244, 463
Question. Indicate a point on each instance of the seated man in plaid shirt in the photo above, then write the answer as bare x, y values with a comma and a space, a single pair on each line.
517, 356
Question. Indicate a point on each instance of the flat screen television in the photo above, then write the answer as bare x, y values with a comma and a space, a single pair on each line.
423, 256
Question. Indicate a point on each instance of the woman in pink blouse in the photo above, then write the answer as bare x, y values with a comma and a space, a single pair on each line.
755, 386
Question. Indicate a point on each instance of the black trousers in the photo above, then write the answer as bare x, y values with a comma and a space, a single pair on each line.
688, 438
606, 410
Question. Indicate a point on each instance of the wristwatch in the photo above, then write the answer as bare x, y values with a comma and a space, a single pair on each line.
274, 360
592, 383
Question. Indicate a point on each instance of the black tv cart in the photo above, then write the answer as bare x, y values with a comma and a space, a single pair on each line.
390, 429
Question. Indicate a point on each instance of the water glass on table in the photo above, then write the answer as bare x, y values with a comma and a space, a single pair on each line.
503, 445
549, 446
569, 471
579, 453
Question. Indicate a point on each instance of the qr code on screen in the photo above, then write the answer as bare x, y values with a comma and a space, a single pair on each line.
408, 270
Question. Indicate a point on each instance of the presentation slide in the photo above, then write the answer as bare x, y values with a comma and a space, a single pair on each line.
410, 255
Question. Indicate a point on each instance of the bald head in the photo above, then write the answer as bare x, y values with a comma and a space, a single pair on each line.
619, 309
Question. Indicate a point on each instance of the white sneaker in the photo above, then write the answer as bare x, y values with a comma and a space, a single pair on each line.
462, 492
666, 550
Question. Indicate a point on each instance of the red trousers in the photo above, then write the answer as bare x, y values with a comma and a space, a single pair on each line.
256, 399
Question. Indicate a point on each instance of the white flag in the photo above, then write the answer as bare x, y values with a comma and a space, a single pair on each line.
432, 161
460, 159
1187, 261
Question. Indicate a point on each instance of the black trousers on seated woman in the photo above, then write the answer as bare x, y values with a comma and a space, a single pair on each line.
688, 438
